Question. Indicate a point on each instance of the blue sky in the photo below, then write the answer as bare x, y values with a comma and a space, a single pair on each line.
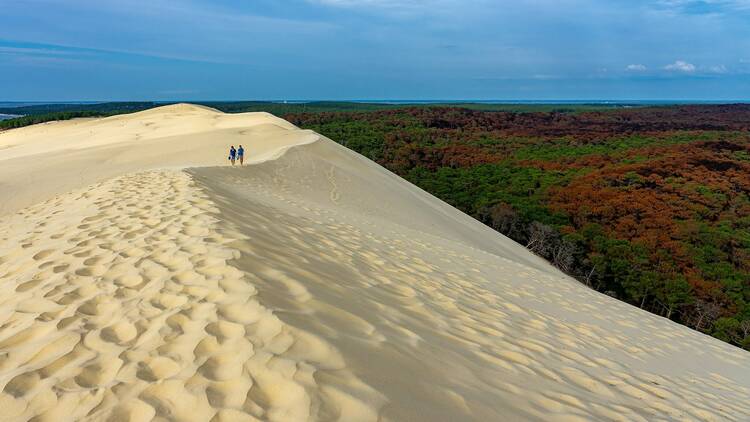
374, 49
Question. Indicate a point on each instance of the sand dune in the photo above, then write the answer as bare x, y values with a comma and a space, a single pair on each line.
44, 160
140, 281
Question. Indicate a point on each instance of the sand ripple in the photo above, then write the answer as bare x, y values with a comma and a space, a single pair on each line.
445, 326
119, 302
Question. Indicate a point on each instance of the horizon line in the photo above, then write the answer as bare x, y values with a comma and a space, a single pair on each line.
393, 100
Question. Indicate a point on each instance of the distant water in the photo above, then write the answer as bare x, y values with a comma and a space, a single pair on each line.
8, 116
12, 104
624, 103
548, 102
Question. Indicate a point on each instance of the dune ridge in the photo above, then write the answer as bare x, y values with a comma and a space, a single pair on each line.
310, 285
48, 159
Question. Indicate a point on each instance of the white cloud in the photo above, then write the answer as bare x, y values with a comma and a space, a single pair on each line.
680, 66
50, 61
407, 7
636, 68
685, 67
45, 57
32, 51
178, 91
220, 38
545, 77
716, 5
375, 3
358, 2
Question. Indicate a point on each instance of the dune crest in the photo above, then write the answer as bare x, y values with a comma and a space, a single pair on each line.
41, 161
177, 108
143, 279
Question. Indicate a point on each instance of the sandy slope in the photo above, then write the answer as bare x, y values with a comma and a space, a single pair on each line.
310, 285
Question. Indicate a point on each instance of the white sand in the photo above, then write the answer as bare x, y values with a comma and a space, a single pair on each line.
311, 285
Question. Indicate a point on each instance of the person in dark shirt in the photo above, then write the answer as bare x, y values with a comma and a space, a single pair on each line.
232, 154
241, 154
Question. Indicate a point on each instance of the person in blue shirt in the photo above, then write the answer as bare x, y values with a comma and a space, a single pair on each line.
241, 154
232, 154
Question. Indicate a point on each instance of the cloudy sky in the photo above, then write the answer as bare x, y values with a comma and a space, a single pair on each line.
374, 49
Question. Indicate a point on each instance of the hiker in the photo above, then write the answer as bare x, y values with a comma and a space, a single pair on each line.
241, 154
232, 154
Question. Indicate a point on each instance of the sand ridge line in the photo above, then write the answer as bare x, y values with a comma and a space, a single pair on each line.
41, 161
121, 304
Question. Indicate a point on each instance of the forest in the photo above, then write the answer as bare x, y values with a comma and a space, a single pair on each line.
40, 113
648, 205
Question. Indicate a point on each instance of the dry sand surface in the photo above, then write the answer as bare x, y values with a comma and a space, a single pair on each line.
141, 281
